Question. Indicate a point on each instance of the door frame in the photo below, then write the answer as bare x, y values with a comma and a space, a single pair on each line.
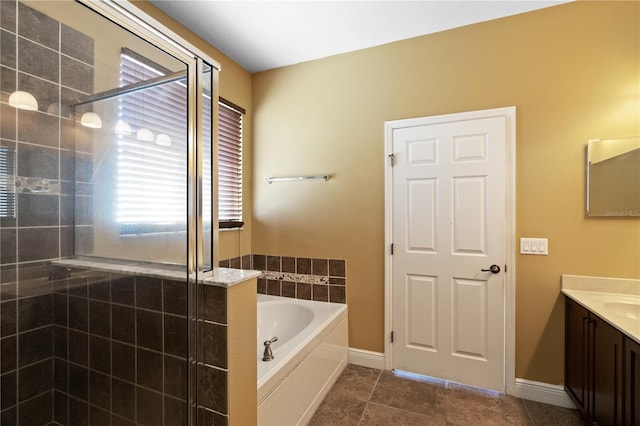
509, 113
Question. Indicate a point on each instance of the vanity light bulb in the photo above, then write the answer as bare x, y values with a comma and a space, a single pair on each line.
23, 100
144, 135
123, 128
163, 140
91, 120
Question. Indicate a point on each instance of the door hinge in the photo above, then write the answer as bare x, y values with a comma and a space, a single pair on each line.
392, 337
391, 157
391, 248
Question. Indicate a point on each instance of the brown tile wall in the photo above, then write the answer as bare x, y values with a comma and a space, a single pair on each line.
213, 368
120, 349
48, 65
297, 277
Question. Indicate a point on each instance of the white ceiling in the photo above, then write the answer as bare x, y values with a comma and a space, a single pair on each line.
261, 35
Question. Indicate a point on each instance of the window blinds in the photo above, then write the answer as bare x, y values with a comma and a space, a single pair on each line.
7, 182
151, 176
151, 187
229, 165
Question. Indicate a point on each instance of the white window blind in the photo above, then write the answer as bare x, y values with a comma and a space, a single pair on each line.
152, 176
7, 182
230, 165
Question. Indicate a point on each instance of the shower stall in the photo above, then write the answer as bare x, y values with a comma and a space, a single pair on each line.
107, 151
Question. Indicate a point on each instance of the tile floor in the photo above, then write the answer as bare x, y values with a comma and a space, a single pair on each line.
367, 396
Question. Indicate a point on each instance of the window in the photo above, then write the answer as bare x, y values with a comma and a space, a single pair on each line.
151, 167
230, 165
7, 183
151, 190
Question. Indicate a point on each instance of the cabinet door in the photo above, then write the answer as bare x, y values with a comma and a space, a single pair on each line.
632, 383
607, 374
576, 355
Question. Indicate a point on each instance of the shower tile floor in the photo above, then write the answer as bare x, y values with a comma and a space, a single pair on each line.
367, 396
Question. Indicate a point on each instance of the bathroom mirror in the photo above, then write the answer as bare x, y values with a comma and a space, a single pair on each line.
613, 177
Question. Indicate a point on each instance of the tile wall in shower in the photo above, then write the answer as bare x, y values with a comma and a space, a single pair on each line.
55, 63
120, 347
120, 350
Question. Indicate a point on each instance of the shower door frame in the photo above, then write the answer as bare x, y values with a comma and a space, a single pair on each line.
129, 17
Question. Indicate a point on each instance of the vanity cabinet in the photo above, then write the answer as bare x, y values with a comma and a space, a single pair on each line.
577, 355
631, 403
594, 366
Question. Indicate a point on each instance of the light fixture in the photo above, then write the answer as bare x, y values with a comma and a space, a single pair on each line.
23, 100
163, 139
123, 128
145, 135
54, 109
92, 120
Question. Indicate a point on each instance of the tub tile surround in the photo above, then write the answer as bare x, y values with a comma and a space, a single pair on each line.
296, 277
41, 229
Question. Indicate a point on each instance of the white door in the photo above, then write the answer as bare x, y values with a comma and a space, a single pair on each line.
448, 228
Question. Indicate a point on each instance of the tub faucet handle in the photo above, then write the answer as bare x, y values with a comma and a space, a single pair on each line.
268, 354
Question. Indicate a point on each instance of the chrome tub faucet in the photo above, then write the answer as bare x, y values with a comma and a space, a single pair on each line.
268, 354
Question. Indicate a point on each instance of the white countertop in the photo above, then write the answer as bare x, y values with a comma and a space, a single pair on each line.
221, 277
615, 300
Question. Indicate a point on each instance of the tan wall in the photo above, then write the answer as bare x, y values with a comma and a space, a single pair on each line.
572, 71
241, 353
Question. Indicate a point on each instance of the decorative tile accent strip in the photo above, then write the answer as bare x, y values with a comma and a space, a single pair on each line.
34, 185
296, 277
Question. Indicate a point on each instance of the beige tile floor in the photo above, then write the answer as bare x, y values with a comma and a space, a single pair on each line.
367, 396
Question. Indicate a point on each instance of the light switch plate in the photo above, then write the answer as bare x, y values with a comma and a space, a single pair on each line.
538, 246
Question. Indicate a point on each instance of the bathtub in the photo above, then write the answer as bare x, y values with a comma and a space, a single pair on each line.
309, 355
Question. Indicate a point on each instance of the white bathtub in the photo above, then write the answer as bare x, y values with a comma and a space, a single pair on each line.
309, 355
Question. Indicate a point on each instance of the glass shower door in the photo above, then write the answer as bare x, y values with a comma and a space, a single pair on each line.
98, 257
130, 210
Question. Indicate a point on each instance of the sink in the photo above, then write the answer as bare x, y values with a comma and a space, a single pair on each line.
625, 309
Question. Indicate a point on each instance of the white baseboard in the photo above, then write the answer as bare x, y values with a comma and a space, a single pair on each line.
525, 389
543, 392
366, 358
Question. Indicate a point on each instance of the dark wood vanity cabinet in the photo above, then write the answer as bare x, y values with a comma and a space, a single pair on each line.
594, 370
576, 369
631, 380
607, 373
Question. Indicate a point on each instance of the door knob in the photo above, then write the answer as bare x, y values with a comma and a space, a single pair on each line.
494, 269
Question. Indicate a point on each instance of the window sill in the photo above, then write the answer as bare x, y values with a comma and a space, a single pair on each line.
230, 225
